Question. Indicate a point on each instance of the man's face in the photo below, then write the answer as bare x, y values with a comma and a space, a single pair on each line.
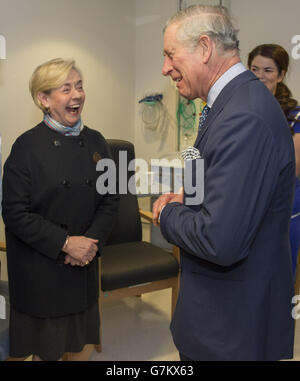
182, 65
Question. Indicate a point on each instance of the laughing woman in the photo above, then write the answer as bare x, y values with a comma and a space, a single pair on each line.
55, 221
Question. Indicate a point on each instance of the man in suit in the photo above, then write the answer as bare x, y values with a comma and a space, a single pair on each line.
236, 277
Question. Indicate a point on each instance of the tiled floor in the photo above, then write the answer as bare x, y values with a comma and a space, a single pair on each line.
137, 329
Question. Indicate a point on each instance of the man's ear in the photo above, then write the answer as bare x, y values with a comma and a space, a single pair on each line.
206, 47
43, 98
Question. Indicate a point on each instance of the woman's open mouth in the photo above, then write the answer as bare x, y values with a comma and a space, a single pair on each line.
74, 110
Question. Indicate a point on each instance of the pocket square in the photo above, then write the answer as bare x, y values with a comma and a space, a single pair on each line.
190, 153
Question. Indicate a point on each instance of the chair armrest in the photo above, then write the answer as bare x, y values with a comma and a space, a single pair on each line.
146, 215
2, 248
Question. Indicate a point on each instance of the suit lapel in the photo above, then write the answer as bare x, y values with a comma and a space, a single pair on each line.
222, 99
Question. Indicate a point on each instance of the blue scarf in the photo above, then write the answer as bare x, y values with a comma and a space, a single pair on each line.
65, 130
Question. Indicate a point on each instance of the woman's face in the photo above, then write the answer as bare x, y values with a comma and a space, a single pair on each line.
65, 104
266, 70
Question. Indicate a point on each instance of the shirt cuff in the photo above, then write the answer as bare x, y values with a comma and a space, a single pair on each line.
160, 213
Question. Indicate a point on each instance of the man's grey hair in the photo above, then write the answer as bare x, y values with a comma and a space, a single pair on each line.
213, 21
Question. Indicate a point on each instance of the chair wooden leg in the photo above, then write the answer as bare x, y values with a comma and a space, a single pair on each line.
98, 348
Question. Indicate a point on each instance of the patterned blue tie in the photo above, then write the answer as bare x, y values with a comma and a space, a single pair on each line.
203, 116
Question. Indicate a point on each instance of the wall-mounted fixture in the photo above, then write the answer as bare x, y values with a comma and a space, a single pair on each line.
152, 110
2, 48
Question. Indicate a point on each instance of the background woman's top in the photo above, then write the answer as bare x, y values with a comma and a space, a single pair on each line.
295, 219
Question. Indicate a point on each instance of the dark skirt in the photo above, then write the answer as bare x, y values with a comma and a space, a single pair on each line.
50, 338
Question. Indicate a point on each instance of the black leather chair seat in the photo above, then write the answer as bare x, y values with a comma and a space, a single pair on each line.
131, 263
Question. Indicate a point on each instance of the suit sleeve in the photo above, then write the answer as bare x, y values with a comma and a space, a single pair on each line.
238, 185
18, 216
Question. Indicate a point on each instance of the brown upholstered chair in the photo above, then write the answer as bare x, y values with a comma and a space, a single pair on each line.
128, 265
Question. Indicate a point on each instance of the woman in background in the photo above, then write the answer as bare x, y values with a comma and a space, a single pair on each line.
270, 63
56, 223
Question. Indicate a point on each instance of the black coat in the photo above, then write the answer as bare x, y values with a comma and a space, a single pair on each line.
49, 192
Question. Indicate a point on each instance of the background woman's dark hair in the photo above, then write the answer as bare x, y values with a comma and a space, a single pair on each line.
281, 58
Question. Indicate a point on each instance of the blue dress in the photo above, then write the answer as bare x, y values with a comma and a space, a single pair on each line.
295, 219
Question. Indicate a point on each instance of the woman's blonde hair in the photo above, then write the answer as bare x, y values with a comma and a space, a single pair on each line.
49, 76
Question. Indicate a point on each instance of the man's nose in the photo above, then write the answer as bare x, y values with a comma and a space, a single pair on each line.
167, 67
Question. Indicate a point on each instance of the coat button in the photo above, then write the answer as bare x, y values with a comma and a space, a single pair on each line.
57, 143
96, 157
81, 143
64, 226
89, 182
66, 183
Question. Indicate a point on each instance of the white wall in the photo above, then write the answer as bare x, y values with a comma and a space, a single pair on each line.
151, 17
99, 34
269, 21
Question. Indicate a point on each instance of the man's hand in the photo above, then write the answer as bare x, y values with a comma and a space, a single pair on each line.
81, 249
163, 201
